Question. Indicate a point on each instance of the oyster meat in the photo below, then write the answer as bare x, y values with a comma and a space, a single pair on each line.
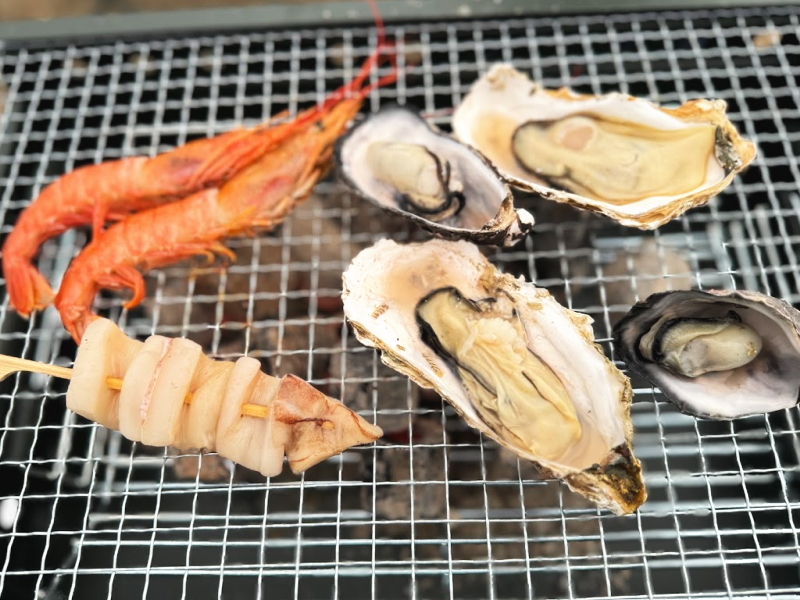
514, 363
716, 354
624, 157
398, 162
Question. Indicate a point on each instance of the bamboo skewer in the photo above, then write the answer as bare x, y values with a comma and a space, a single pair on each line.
11, 364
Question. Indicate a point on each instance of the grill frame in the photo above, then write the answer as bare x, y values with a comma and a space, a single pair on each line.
128, 500
311, 14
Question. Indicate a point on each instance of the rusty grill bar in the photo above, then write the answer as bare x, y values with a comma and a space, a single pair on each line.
433, 511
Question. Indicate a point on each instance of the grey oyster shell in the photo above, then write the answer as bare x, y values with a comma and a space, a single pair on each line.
770, 382
487, 215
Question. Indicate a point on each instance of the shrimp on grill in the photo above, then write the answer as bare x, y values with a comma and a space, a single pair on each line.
260, 197
113, 190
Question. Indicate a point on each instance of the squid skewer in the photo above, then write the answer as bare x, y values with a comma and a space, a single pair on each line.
166, 392
11, 364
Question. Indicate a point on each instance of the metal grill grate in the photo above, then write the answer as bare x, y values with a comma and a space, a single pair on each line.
432, 511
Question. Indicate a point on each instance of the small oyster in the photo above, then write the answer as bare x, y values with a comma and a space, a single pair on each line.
715, 354
514, 363
624, 157
398, 162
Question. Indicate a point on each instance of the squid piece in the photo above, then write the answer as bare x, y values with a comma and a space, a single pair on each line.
153, 390
107, 351
170, 394
199, 418
253, 443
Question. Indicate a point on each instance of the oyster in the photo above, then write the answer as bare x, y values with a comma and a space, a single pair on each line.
514, 363
715, 354
631, 160
398, 162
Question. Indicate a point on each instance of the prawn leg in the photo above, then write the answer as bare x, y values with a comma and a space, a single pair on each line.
123, 277
209, 250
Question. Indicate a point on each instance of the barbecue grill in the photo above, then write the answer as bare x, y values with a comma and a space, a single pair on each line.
432, 510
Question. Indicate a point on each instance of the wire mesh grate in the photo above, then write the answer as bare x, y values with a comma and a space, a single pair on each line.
432, 510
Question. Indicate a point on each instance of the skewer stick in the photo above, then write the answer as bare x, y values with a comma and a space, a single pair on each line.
11, 364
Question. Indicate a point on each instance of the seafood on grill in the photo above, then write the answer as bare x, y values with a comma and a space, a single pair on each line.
259, 197
716, 354
629, 159
514, 363
114, 190
169, 393
399, 162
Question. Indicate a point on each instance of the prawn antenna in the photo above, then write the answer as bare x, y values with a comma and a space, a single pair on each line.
354, 87
374, 58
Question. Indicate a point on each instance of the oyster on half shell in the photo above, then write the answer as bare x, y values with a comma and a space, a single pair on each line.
627, 158
514, 363
716, 354
399, 162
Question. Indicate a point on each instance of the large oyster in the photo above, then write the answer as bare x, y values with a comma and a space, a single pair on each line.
716, 354
514, 363
624, 157
398, 162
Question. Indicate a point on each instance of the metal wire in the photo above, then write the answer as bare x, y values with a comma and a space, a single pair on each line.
432, 510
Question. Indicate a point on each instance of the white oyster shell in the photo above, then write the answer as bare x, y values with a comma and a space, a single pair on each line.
504, 99
385, 283
488, 215
770, 382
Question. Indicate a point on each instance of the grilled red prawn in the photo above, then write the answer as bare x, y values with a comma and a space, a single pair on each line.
112, 190
259, 197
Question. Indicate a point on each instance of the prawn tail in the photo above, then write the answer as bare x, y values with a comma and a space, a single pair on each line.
27, 289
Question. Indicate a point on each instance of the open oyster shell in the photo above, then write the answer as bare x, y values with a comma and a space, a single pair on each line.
715, 354
514, 363
398, 162
631, 160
